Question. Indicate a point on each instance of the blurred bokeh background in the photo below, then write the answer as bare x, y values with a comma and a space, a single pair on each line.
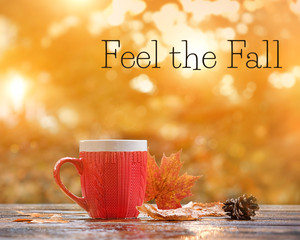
239, 128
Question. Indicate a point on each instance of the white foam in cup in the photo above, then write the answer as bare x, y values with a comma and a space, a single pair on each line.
112, 145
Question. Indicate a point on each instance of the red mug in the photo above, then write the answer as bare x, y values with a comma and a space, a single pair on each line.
113, 177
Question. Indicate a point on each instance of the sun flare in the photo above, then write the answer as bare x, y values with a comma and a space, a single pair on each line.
16, 90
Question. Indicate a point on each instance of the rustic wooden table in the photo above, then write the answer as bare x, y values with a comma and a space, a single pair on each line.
271, 222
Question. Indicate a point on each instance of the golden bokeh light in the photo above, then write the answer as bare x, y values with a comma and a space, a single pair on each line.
142, 83
16, 87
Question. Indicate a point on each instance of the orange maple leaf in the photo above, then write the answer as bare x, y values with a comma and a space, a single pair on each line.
164, 183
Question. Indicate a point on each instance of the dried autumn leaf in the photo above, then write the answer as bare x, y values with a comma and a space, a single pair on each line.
36, 215
164, 183
191, 211
22, 220
41, 218
56, 218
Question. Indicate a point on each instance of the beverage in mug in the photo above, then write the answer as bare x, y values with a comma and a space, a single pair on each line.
113, 177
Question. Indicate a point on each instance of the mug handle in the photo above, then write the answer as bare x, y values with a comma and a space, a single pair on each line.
77, 162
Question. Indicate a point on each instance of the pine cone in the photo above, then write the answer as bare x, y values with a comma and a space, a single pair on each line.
242, 208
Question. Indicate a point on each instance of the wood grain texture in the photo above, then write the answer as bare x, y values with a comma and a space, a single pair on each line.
271, 222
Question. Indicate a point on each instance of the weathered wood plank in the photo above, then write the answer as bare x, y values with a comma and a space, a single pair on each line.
271, 222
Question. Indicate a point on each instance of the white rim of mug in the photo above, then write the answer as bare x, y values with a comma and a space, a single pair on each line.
112, 145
